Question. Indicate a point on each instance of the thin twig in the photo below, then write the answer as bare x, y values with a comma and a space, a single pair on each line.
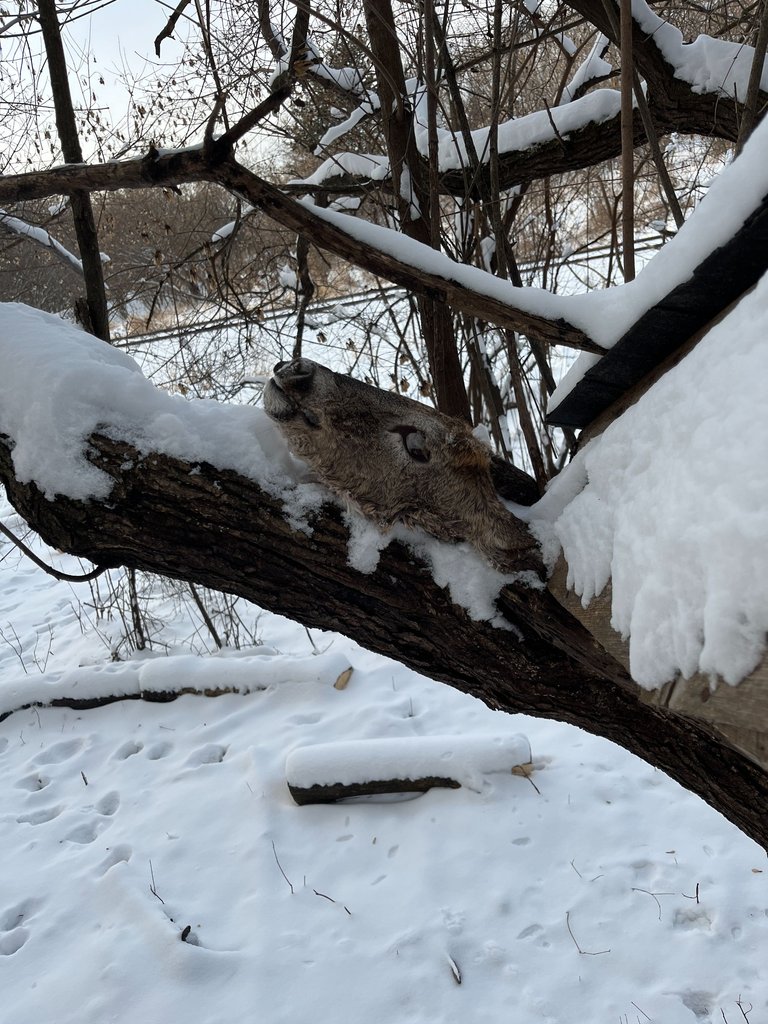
584, 952
277, 861
65, 576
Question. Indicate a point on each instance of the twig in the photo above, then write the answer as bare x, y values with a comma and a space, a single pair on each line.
454, 969
584, 952
331, 900
743, 1011
170, 25
65, 576
153, 887
290, 883
695, 895
654, 895
641, 1011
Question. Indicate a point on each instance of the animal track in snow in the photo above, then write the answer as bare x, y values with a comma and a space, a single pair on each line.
11, 918
33, 783
40, 816
159, 750
211, 753
12, 942
59, 752
119, 854
128, 749
85, 833
108, 803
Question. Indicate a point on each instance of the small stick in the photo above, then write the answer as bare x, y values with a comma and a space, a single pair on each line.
584, 952
290, 884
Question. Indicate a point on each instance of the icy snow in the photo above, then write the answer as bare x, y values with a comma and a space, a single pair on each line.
671, 504
58, 385
127, 826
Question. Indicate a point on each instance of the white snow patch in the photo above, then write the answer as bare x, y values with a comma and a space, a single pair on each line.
670, 505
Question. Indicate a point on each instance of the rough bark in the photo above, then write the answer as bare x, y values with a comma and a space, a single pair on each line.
215, 528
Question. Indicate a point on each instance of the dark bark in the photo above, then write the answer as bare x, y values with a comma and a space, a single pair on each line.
220, 530
414, 200
328, 794
82, 210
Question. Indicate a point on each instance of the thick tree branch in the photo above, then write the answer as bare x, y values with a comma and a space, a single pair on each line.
327, 232
213, 527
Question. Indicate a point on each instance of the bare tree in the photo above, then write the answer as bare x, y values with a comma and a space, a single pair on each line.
476, 144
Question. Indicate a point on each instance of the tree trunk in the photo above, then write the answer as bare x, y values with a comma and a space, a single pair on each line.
215, 528
412, 191
82, 210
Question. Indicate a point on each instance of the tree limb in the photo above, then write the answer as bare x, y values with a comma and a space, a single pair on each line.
179, 167
215, 528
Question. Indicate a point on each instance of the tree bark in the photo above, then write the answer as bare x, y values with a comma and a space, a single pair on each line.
82, 210
415, 203
213, 527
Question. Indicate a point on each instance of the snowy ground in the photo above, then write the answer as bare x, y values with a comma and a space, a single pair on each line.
597, 890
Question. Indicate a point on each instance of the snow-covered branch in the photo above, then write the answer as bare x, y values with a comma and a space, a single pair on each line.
126, 498
378, 250
43, 238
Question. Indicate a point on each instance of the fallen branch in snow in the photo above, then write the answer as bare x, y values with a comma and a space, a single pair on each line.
326, 772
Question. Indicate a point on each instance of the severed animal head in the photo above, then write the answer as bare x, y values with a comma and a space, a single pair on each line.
397, 460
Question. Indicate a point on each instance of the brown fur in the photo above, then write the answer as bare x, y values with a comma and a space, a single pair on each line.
396, 460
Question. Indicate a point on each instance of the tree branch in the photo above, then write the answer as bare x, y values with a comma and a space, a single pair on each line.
327, 230
215, 528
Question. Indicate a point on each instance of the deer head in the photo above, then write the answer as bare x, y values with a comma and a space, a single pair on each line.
396, 460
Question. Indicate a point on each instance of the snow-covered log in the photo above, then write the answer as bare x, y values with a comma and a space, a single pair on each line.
326, 772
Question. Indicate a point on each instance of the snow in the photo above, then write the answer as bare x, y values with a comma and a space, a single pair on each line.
595, 890
708, 65
593, 67
731, 198
59, 385
669, 503
50, 406
463, 758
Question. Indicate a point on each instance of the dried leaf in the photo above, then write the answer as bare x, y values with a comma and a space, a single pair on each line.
341, 682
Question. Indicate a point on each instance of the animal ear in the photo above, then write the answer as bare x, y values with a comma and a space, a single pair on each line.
466, 452
414, 443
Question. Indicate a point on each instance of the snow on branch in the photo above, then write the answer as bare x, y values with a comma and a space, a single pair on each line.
41, 237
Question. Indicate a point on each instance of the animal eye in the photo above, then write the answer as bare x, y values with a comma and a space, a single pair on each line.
414, 443
310, 419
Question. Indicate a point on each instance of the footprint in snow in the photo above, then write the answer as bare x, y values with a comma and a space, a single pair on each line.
159, 750
128, 749
108, 804
211, 753
59, 752
13, 934
33, 783
119, 854
40, 816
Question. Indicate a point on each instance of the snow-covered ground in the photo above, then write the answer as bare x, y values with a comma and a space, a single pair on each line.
595, 890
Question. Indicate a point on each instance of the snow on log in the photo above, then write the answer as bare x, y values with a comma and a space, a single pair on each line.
332, 771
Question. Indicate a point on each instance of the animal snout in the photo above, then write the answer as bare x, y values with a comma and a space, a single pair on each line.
295, 373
